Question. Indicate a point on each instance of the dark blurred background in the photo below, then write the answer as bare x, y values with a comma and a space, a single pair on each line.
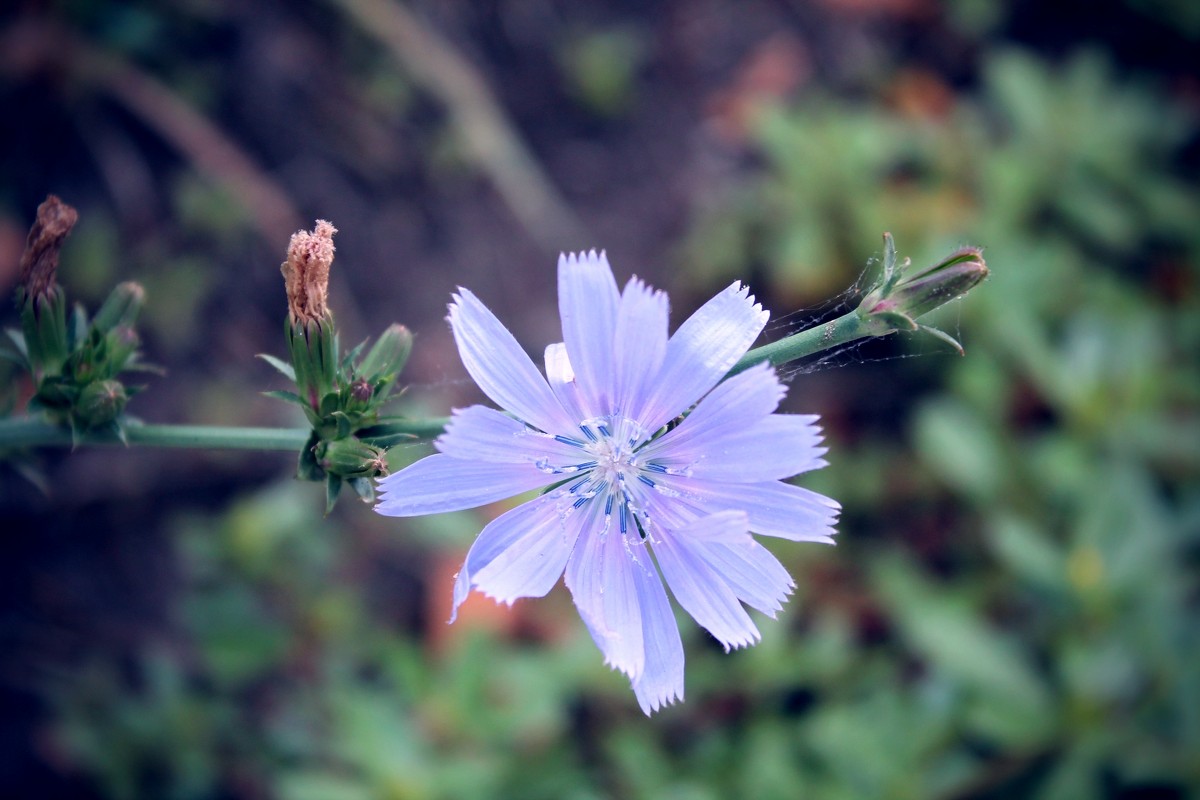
1012, 608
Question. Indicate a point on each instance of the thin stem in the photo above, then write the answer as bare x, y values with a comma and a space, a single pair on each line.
33, 432
846, 328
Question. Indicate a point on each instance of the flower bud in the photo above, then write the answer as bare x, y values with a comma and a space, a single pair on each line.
121, 308
100, 403
312, 341
122, 343
903, 294
40, 298
351, 458
388, 356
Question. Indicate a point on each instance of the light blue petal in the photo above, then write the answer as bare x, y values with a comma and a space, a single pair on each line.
661, 681
769, 449
440, 483
775, 508
750, 570
753, 572
702, 351
640, 346
485, 434
587, 304
740, 401
600, 575
561, 377
702, 591
521, 553
501, 368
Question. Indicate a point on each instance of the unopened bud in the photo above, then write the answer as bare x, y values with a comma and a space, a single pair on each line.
351, 458
388, 355
122, 343
121, 308
904, 294
42, 303
100, 403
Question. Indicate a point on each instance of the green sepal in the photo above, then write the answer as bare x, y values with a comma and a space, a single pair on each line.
388, 356
288, 371
329, 404
945, 337
313, 348
308, 469
333, 487
286, 396
345, 425
77, 327
121, 308
44, 323
364, 488
18, 342
894, 320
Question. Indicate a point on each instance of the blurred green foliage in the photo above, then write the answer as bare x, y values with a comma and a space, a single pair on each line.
1012, 608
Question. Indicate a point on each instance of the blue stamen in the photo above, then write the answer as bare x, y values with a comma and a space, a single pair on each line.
569, 440
580, 501
588, 432
645, 480
659, 468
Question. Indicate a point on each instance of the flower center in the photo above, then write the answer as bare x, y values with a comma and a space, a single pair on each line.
609, 471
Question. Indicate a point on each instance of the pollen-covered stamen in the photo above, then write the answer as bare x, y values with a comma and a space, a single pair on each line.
612, 471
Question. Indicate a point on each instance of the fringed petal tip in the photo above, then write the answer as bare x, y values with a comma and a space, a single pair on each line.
742, 291
653, 702
586, 258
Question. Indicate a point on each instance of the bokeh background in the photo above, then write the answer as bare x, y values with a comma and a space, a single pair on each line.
1012, 608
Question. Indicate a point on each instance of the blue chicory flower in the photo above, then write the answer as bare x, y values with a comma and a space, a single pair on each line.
631, 483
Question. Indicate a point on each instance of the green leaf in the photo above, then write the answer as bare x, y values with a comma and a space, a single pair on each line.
281, 365
955, 638
286, 396
333, 487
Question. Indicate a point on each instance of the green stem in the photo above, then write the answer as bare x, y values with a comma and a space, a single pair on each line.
846, 328
33, 432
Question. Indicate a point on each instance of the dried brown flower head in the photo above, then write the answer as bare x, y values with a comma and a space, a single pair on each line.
306, 272
39, 262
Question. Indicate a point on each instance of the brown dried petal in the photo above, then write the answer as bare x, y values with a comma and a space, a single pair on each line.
306, 271
39, 262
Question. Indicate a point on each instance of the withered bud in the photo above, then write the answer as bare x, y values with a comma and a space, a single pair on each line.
306, 272
39, 262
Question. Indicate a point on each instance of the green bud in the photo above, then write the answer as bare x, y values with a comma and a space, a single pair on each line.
100, 403
121, 308
312, 345
904, 294
121, 344
44, 323
388, 356
351, 458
